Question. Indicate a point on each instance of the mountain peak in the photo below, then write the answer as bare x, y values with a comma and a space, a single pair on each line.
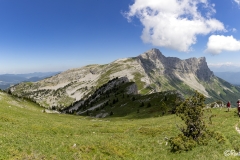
173, 66
153, 53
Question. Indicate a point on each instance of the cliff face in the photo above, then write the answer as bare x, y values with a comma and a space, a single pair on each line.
154, 59
151, 71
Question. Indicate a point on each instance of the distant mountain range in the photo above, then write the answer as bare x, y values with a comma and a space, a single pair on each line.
224, 68
151, 71
6, 80
231, 77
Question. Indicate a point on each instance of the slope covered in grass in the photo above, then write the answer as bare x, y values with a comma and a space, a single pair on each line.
27, 133
119, 98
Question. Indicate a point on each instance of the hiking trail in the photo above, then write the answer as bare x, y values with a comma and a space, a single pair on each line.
237, 129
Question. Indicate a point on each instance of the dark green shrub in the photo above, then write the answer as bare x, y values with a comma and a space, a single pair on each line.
111, 113
149, 105
133, 98
181, 143
141, 105
195, 130
191, 112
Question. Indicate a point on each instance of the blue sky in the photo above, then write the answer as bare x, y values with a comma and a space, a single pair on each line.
56, 35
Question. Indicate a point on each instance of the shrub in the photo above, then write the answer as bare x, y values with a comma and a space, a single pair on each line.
195, 130
149, 105
111, 113
181, 143
191, 112
141, 105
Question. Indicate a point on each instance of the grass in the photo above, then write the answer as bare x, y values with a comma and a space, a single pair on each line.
105, 77
140, 84
27, 133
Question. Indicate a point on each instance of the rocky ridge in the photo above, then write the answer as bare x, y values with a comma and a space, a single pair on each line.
152, 72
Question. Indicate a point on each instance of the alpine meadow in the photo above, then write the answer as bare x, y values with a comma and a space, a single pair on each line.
163, 108
119, 80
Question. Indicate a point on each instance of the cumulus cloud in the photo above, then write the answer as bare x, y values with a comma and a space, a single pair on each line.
218, 43
237, 1
174, 24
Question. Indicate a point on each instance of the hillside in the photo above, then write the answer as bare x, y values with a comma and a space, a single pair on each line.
27, 133
151, 71
119, 98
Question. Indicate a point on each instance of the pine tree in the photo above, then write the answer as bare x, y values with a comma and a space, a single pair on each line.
133, 98
195, 131
149, 105
141, 105
191, 112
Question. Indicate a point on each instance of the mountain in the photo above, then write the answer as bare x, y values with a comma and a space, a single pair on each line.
151, 71
6, 80
232, 77
224, 68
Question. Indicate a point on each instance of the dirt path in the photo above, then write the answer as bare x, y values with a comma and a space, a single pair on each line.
237, 129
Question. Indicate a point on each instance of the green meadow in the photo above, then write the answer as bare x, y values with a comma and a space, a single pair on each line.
28, 133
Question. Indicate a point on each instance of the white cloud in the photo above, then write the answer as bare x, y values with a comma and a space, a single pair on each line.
224, 67
174, 24
221, 64
237, 1
218, 43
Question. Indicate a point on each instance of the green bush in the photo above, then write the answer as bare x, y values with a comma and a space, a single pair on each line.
191, 112
195, 130
181, 143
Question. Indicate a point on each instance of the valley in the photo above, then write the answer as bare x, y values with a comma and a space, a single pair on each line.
7, 80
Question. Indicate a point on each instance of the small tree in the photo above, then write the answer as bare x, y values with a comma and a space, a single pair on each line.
191, 112
195, 130
111, 113
114, 101
149, 105
141, 105
133, 98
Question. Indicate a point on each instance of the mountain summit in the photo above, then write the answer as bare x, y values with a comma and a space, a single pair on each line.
151, 71
171, 66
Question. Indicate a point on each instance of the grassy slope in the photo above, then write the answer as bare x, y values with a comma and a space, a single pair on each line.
222, 93
160, 103
27, 133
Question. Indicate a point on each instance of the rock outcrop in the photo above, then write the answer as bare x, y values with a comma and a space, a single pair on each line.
154, 59
132, 89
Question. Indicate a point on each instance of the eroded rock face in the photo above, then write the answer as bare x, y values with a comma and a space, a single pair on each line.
154, 59
132, 89
113, 83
